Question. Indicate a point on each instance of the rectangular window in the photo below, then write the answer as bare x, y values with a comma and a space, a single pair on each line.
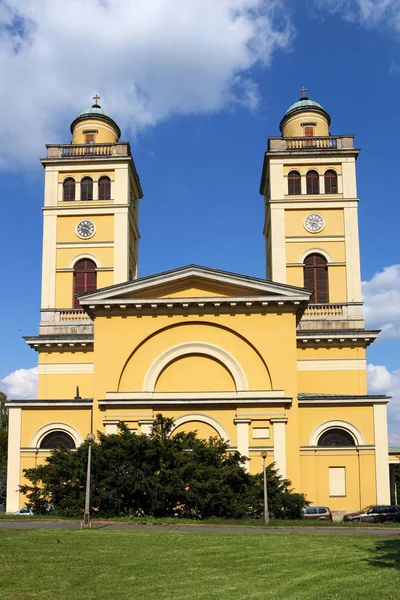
260, 433
337, 481
308, 131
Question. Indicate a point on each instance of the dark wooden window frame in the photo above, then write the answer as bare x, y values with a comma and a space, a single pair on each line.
294, 183
86, 189
85, 278
52, 439
104, 188
316, 278
312, 182
331, 182
69, 187
336, 437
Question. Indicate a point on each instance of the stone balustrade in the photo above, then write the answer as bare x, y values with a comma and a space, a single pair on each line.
331, 142
57, 151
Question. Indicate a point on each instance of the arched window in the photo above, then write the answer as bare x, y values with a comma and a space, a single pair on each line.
336, 437
330, 182
52, 439
69, 190
104, 188
85, 278
316, 278
312, 179
294, 183
86, 189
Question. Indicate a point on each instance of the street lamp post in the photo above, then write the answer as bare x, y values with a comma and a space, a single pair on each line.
86, 517
266, 513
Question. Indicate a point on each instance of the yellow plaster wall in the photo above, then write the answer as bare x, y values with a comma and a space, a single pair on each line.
342, 352
66, 256
195, 373
333, 221
106, 132
360, 471
66, 356
64, 286
104, 228
332, 382
293, 128
59, 387
34, 419
360, 416
295, 250
337, 281
321, 168
203, 430
95, 174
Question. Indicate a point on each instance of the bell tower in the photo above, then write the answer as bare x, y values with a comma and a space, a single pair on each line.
90, 234
311, 221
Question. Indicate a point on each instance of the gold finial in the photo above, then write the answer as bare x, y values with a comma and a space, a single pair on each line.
303, 91
95, 98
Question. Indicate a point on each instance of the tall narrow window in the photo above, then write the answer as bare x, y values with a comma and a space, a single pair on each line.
294, 183
312, 179
85, 278
316, 278
69, 190
86, 189
104, 188
331, 186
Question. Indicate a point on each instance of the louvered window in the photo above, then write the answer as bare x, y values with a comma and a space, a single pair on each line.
104, 188
331, 186
316, 278
85, 278
86, 189
294, 183
312, 179
69, 190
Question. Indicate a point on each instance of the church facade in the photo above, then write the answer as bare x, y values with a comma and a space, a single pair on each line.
275, 364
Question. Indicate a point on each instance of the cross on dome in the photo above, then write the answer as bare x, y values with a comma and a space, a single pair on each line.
303, 91
96, 98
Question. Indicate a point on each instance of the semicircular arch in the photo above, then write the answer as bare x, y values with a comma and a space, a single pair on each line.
337, 424
84, 256
323, 253
193, 417
56, 426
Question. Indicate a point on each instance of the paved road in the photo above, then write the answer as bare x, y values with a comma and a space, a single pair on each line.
389, 532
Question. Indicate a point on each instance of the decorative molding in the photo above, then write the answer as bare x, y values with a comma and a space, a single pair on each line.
188, 348
83, 256
314, 251
65, 368
337, 424
263, 395
322, 364
203, 419
56, 426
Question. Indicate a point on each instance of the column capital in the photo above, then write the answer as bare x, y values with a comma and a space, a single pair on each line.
236, 421
279, 420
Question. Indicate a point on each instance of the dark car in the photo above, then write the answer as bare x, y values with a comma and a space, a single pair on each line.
320, 513
380, 513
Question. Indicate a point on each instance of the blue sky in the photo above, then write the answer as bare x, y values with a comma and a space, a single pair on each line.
197, 88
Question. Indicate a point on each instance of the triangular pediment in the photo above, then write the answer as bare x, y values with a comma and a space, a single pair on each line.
194, 282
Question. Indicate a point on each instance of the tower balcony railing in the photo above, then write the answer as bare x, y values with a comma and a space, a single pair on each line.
328, 142
348, 314
57, 151
64, 321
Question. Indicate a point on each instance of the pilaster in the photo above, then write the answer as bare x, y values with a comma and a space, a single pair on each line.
280, 444
381, 454
14, 459
242, 437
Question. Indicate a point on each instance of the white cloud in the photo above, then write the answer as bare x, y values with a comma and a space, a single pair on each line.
148, 60
21, 383
382, 302
369, 13
383, 381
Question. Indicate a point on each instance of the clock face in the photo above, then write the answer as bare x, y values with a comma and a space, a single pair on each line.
314, 223
85, 229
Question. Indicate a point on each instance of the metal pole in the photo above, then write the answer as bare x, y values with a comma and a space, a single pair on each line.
86, 516
266, 513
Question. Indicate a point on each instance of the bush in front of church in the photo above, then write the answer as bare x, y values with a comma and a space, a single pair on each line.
161, 475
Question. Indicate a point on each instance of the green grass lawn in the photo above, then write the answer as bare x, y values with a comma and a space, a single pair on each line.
166, 565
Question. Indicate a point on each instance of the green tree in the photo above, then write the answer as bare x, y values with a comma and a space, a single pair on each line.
159, 475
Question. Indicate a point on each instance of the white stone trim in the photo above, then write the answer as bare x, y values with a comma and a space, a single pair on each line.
315, 251
328, 364
279, 426
356, 433
111, 427
266, 396
14, 459
56, 426
203, 419
353, 271
49, 256
278, 246
242, 438
187, 348
65, 368
85, 255
381, 454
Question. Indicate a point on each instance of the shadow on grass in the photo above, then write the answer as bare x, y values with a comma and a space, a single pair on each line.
386, 554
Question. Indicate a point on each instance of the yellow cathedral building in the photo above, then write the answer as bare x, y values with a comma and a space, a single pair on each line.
275, 364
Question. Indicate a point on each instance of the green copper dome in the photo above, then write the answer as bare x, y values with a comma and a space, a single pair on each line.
95, 112
302, 105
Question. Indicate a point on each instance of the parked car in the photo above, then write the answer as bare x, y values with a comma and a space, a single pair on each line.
319, 513
374, 514
24, 511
